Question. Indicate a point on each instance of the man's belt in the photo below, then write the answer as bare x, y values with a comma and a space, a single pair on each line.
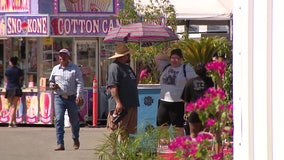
65, 96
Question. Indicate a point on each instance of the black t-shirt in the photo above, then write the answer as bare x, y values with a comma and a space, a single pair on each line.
122, 76
195, 88
13, 74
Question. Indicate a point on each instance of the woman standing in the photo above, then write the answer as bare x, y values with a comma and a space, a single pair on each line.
173, 78
14, 76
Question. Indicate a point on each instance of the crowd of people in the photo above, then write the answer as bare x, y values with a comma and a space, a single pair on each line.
180, 84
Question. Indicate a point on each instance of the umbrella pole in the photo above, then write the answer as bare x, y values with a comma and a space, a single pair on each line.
140, 45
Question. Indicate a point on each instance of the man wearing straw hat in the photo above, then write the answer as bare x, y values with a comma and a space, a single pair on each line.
122, 84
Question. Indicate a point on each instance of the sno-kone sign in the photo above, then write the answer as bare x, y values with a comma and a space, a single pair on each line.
82, 25
27, 26
68, 26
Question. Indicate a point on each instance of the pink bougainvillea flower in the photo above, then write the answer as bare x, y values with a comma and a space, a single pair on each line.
221, 107
180, 142
216, 66
218, 156
230, 116
215, 113
230, 107
226, 129
190, 107
210, 122
213, 92
201, 104
193, 152
205, 135
221, 93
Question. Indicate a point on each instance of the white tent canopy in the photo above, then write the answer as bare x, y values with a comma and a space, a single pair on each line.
201, 9
202, 12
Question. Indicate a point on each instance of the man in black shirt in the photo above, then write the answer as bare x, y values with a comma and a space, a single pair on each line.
194, 89
122, 84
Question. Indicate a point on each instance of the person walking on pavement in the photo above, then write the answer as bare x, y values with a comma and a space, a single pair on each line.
66, 81
14, 77
122, 84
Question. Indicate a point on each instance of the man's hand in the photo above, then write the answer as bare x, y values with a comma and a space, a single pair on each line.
185, 117
79, 101
118, 107
54, 86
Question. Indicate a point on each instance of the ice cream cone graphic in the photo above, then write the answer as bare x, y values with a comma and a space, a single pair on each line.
46, 105
24, 27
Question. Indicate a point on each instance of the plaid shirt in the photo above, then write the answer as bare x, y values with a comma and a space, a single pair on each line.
69, 80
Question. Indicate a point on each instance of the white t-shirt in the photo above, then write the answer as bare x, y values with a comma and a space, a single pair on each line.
172, 82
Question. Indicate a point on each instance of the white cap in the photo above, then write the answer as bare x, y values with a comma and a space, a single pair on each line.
65, 51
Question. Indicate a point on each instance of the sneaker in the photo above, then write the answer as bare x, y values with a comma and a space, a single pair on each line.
12, 125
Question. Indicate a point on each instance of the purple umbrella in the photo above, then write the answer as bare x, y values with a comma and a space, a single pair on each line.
141, 32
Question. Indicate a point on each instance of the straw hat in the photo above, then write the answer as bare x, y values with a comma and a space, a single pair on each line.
120, 50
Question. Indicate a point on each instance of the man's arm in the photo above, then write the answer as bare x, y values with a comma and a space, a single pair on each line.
161, 61
80, 86
80, 82
51, 80
114, 94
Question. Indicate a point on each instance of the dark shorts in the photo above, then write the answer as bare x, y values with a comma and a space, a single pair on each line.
170, 113
13, 92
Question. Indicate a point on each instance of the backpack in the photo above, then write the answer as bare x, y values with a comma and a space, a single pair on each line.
184, 71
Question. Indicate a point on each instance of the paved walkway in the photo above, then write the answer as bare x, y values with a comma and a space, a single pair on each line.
38, 143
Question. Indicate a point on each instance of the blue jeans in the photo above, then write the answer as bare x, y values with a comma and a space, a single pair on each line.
60, 106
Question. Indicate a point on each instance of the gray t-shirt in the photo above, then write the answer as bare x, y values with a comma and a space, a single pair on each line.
172, 82
122, 76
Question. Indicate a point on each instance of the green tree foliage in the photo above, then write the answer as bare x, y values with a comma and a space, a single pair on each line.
146, 55
202, 50
152, 12
129, 13
142, 146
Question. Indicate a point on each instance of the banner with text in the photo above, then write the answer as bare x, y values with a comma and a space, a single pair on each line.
82, 25
27, 25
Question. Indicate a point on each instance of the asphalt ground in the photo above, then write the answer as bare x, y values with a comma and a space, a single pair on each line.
35, 142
